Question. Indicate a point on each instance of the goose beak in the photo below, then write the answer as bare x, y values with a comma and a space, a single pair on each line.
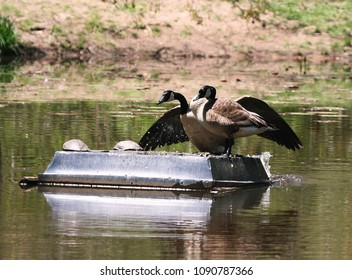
196, 98
162, 100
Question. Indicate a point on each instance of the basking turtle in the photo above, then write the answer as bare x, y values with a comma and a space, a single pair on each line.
75, 145
127, 145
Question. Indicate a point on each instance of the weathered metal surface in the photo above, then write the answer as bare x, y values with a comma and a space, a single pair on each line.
150, 171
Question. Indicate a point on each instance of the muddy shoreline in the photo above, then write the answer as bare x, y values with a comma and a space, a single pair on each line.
168, 54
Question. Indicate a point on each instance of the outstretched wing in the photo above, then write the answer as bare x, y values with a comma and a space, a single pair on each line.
284, 135
167, 130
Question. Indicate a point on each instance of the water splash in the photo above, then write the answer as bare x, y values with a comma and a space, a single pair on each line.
279, 179
286, 179
265, 157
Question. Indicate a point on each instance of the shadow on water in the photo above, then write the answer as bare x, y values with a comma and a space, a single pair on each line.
8, 68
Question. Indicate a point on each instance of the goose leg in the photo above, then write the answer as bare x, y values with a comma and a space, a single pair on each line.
229, 142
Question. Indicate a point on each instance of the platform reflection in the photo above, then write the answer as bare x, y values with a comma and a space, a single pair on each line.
94, 215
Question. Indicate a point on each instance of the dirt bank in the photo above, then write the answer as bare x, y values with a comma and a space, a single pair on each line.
99, 30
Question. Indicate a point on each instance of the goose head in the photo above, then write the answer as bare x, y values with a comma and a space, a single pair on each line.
207, 92
168, 95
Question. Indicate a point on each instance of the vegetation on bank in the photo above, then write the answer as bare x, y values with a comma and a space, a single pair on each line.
8, 38
313, 17
332, 17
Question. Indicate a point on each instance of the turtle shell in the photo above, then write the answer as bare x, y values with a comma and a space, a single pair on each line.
75, 145
127, 145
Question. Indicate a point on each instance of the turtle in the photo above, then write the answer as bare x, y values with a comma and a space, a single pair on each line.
127, 145
75, 145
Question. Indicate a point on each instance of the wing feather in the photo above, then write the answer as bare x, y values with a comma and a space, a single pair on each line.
283, 135
167, 130
230, 113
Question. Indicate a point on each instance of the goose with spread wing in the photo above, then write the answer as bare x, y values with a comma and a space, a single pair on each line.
180, 125
242, 117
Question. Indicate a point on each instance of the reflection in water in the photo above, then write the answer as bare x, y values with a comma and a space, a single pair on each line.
248, 229
192, 222
7, 71
121, 216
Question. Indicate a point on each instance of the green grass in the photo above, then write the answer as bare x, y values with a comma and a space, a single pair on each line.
8, 38
140, 25
156, 30
26, 25
154, 75
95, 24
10, 10
186, 32
332, 17
131, 6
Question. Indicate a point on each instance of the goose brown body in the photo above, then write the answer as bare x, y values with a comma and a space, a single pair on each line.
203, 139
241, 118
229, 119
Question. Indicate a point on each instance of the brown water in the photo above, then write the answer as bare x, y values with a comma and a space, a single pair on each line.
306, 220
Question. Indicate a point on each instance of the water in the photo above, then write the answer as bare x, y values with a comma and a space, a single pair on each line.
293, 219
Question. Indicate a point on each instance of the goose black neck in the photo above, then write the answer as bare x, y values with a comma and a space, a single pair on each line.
183, 103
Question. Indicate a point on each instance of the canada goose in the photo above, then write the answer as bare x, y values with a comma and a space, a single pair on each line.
179, 125
242, 117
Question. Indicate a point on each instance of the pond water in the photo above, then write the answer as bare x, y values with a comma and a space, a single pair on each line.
307, 219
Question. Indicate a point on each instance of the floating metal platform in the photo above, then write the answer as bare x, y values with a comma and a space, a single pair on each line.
164, 173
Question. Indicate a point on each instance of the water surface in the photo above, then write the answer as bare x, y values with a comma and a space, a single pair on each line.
306, 220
